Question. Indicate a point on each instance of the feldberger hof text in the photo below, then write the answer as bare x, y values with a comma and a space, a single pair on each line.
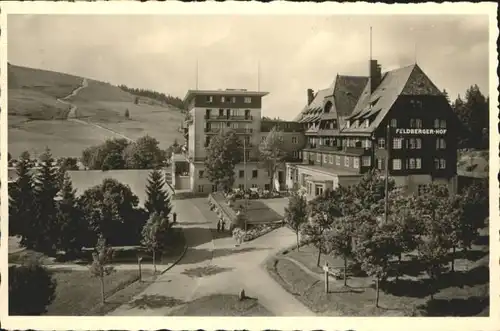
420, 131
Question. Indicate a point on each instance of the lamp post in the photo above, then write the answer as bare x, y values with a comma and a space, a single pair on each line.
245, 183
139, 259
387, 147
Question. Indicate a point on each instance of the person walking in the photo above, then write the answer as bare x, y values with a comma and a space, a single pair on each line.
223, 225
218, 225
174, 216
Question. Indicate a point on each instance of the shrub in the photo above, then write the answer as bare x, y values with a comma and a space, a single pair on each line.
31, 289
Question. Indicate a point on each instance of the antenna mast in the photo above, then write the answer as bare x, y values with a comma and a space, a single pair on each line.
196, 73
258, 76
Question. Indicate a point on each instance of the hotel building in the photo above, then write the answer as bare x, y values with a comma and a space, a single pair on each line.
398, 118
240, 110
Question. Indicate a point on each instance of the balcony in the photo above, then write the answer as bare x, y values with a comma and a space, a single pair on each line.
228, 118
236, 130
310, 146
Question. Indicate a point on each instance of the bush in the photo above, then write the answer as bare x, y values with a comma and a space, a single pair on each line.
31, 289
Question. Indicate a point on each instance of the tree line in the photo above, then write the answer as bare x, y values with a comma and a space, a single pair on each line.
349, 222
46, 214
473, 112
117, 153
162, 97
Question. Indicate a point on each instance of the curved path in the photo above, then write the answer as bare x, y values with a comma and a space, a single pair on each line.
72, 111
213, 264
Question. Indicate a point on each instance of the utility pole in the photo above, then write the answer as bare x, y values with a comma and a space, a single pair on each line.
245, 172
387, 148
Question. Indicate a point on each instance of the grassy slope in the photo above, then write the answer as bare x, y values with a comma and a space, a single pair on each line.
36, 118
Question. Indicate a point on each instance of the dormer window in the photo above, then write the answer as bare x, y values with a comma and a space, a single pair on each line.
348, 124
394, 123
367, 123
334, 124
328, 106
210, 99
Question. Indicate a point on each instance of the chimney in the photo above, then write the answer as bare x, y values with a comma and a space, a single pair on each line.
375, 75
310, 96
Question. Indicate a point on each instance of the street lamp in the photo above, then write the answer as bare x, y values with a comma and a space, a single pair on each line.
139, 259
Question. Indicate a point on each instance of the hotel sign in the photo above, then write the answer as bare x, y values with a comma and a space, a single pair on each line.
421, 131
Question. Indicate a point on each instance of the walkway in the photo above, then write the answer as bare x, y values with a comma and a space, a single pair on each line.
212, 265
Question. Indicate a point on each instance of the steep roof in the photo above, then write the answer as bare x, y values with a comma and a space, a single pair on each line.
345, 91
410, 80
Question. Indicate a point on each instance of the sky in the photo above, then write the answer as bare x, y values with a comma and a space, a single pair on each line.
295, 52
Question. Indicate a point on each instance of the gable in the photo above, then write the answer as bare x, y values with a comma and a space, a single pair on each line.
419, 84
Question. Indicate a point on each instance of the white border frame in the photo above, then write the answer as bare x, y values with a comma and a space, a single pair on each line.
280, 323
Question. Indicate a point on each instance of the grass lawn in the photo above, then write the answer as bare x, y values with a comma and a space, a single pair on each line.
221, 305
123, 255
78, 293
463, 293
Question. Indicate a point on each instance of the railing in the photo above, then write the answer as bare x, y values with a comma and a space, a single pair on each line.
237, 130
229, 117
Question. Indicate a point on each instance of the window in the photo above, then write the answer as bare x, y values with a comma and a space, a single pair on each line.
440, 163
439, 124
233, 99
366, 161
367, 123
255, 173
304, 155
346, 161
200, 173
334, 124
381, 143
247, 100
241, 187
337, 160
411, 163
415, 123
442, 124
242, 173
200, 188
356, 163
396, 164
318, 157
319, 189
295, 154
331, 159
294, 140
418, 163
266, 187
254, 186
367, 143
397, 143
247, 155
223, 99
210, 99
440, 143
325, 158
381, 163
214, 188
415, 143
394, 123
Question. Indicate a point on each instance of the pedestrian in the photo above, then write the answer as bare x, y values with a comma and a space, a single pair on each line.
223, 225
218, 225
174, 215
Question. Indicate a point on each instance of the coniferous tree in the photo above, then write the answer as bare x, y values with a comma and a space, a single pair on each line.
21, 204
158, 199
45, 218
70, 221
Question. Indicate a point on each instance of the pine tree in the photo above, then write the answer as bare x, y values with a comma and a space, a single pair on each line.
72, 229
158, 199
21, 204
46, 190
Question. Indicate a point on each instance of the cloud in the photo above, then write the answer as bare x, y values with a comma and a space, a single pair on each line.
295, 52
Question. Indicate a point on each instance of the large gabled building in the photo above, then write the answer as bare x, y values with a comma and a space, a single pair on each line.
399, 118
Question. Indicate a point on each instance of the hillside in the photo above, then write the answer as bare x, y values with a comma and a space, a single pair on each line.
42, 112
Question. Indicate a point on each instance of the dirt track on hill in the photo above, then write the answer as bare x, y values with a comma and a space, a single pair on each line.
72, 111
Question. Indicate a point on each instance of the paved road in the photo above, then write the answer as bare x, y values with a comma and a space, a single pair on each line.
226, 269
